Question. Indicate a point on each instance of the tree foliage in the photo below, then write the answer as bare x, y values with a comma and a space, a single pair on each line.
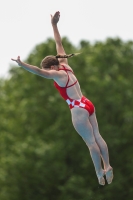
42, 156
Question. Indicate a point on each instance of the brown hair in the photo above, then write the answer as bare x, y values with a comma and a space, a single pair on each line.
48, 61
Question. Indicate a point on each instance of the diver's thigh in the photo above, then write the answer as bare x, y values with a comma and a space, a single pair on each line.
81, 123
94, 123
79, 116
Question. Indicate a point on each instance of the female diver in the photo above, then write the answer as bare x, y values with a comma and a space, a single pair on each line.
82, 110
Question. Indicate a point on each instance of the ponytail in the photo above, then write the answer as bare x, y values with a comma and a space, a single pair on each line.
67, 56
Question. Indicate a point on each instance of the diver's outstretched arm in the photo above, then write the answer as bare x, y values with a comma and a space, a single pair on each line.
49, 74
59, 47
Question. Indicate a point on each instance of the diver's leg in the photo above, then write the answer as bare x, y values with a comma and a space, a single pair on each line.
80, 119
103, 148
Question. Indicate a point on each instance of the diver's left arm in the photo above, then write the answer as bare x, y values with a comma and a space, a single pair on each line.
36, 70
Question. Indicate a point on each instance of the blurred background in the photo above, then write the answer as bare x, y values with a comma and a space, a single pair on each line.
41, 155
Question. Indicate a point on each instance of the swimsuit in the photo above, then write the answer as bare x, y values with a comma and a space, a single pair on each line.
81, 103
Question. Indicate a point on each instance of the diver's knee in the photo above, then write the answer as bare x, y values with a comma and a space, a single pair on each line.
90, 142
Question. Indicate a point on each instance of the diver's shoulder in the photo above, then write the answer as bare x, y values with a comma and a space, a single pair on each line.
66, 66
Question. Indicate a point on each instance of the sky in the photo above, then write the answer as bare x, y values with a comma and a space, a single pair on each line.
26, 23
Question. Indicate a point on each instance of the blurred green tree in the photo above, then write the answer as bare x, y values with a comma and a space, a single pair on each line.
42, 156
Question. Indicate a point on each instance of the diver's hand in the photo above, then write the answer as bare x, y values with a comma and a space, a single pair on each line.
55, 18
17, 60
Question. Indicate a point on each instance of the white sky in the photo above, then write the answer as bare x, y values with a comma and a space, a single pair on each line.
26, 23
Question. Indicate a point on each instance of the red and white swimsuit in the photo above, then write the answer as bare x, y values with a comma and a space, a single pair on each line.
81, 103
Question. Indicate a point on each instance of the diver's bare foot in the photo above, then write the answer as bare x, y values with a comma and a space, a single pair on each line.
109, 175
101, 179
